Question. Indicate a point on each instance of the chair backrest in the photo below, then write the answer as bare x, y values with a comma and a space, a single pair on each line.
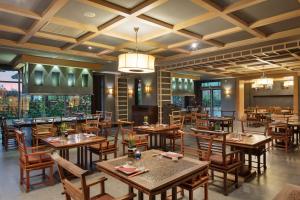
244, 130
218, 143
177, 120
203, 146
21, 145
94, 121
126, 132
71, 190
100, 113
202, 121
108, 116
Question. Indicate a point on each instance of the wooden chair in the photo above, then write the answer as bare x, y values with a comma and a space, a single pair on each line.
175, 135
40, 131
203, 152
230, 114
83, 192
222, 160
104, 148
106, 124
9, 136
32, 158
71, 127
281, 132
202, 121
92, 125
141, 140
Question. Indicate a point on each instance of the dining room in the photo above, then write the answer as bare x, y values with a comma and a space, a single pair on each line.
149, 99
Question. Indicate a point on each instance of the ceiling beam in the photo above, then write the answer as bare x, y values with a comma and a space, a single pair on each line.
11, 29
222, 33
241, 4
276, 18
8, 8
195, 20
54, 7
107, 6
212, 7
73, 24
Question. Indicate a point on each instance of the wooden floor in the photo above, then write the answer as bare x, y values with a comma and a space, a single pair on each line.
282, 168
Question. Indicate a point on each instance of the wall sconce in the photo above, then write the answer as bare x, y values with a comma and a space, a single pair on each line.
147, 89
227, 92
110, 91
130, 92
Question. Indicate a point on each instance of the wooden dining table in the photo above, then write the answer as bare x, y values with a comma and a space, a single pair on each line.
157, 131
80, 141
164, 173
222, 121
251, 144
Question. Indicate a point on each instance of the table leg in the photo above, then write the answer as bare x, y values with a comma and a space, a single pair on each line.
164, 195
85, 157
155, 141
151, 137
130, 190
81, 156
140, 195
232, 126
258, 164
174, 193
78, 156
151, 197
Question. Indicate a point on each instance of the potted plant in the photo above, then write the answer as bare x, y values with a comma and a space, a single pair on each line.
131, 145
63, 129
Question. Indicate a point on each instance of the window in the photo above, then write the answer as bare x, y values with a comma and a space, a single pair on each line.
9, 93
211, 84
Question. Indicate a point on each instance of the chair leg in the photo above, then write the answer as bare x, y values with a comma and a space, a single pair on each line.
27, 180
115, 153
205, 187
212, 175
191, 195
225, 183
236, 178
173, 145
91, 159
21, 175
123, 149
51, 181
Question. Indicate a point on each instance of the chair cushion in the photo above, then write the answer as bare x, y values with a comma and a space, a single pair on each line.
103, 145
103, 197
32, 159
218, 159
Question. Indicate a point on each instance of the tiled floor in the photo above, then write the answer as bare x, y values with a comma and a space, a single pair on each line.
282, 168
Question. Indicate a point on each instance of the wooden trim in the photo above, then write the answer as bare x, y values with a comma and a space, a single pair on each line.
239, 5
296, 95
55, 61
11, 29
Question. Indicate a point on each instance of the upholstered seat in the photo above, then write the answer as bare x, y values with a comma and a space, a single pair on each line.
32, 159
104, 145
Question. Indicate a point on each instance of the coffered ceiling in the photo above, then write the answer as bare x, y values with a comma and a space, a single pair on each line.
102, 29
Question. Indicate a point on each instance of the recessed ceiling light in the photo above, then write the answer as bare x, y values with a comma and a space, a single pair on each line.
194, 45
89, 14
90, 48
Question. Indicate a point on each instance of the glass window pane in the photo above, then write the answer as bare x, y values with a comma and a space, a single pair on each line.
9, 100
9, 76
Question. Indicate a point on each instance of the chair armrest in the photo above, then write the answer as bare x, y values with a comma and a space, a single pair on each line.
126, 197
233, 152
101, 181
37, 148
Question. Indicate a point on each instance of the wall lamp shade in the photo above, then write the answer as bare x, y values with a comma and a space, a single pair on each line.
136, 63
110, 91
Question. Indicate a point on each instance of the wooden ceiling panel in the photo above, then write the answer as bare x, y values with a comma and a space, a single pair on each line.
62, 30
126, 4
266, 9
169, 39
15, 21
211, 26
42, 41
37, 6
176, 11
10, 36
234, 37
281, 26
89, 49
81, 10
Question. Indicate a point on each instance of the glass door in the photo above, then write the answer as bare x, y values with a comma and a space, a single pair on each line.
211, 101
216, 102
206, 100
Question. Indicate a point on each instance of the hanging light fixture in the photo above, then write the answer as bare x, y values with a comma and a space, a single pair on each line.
136, 62
263, 82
